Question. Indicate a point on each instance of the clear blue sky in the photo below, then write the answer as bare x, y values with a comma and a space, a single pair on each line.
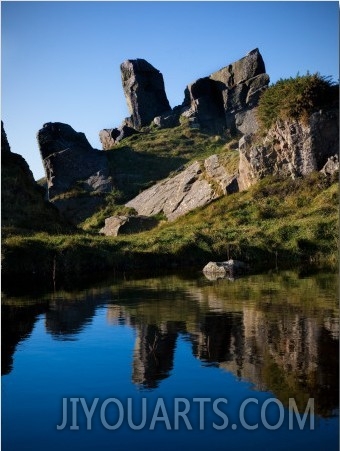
60, 60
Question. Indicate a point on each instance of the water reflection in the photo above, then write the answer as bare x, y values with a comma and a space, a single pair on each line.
277, 331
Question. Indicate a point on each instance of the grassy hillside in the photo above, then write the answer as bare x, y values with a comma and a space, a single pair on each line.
276, 223
142, 160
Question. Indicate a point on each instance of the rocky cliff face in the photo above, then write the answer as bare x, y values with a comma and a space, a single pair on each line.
290, 149
22, 200
73, 166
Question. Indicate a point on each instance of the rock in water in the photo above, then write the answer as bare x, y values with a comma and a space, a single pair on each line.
215, 270
144, 91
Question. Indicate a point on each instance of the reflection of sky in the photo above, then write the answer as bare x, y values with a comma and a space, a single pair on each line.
99, 364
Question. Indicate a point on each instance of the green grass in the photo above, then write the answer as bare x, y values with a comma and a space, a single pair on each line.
282, 222
141, 160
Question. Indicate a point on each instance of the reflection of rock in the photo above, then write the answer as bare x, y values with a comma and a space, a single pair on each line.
153, 354
259, 330
17, 323
65, 319
219, 338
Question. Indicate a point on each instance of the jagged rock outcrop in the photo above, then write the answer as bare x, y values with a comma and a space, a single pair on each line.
226, 99
194, 187
125, 225
23, 204
223, 102
144, 91
111, 136
73, 166
290, 149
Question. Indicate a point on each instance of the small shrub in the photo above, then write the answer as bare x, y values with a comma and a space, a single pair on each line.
296, 98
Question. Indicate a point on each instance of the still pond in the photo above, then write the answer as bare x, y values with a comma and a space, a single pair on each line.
173, 362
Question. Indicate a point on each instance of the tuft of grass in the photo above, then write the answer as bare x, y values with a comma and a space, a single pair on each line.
296, 98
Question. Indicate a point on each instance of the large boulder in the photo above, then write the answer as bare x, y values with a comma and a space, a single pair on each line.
226, 99
195, 186
144, 91
73, 170
291, 148
125, 225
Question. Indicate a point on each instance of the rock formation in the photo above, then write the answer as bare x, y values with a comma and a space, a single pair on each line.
23, 204
193, 187
73, 166
144, 92
226, 99
290, 149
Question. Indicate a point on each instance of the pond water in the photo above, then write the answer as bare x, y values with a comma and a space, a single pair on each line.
173, 362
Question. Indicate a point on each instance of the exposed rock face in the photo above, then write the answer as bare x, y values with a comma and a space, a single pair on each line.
22, 200
290, 149
226, 99
71, 164
124, 225
194, 187
144, 91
